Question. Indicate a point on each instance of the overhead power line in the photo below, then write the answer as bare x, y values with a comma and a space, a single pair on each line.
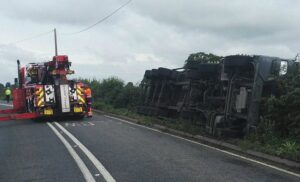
32, 37
85, 29
101, 20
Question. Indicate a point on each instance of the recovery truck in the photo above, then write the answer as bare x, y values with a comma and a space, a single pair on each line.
43, 90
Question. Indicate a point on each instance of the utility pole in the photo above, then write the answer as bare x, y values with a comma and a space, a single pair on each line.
55, 42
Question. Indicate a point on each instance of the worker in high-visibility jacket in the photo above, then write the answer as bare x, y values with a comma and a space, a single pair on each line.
88, 96
7, 94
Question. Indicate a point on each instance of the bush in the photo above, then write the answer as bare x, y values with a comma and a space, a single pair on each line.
113, 93
283, 111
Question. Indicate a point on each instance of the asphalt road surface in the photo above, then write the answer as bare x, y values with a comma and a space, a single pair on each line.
103, 148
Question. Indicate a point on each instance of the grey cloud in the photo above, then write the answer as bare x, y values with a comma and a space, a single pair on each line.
236, 18
150, 33
9, 54
69, 12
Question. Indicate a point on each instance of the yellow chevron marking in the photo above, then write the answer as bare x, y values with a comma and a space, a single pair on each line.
40, 103
39, 91
41, 95
81, 99
79, 91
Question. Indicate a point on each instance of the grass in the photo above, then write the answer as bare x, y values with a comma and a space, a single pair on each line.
288, 148
268, 143
181, 125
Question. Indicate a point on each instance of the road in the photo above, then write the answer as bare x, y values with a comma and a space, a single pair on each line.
107, 149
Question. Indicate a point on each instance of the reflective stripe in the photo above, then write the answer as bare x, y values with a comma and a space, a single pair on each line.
40, 97
80, 93
81, 100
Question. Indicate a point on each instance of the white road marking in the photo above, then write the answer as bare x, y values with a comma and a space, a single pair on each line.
9, 105
106, 175
207, 146
91, 123
85, 171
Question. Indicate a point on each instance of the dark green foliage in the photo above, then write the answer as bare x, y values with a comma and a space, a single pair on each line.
279, 130
129, 97
284, 111
114, 93
269, 143
109, 89
202, 57
2, 89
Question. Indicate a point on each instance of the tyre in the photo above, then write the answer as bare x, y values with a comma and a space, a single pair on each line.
208, 68
237, 61
147, 74
174, 75
192, 65
193, 74
154, 73
164, 72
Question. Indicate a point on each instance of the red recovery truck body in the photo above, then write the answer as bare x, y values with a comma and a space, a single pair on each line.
45, 91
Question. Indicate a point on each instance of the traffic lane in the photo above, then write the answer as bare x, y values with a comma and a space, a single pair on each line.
132, 153
29, 151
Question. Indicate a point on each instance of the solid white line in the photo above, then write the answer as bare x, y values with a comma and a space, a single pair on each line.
85, 171
106, 175
10, 105
207, 146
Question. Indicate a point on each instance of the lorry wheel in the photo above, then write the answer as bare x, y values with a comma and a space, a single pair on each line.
164, 72
209, 68
174, 74
192, 65
193, 74
154, 73
147, 74
237, 61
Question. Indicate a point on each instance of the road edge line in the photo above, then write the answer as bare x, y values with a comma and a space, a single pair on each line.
208, 146
106, 175
83, 168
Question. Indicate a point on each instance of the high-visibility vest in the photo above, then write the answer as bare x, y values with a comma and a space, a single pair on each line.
7, 92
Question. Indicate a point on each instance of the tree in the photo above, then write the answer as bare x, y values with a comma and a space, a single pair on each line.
109, 89
129, 97
202, 57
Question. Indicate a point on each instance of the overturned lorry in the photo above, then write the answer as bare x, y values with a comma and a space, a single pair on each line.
222, 96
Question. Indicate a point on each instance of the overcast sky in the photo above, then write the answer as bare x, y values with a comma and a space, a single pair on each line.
145, 34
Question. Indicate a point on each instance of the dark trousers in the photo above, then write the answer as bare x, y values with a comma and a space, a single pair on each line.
7, 98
